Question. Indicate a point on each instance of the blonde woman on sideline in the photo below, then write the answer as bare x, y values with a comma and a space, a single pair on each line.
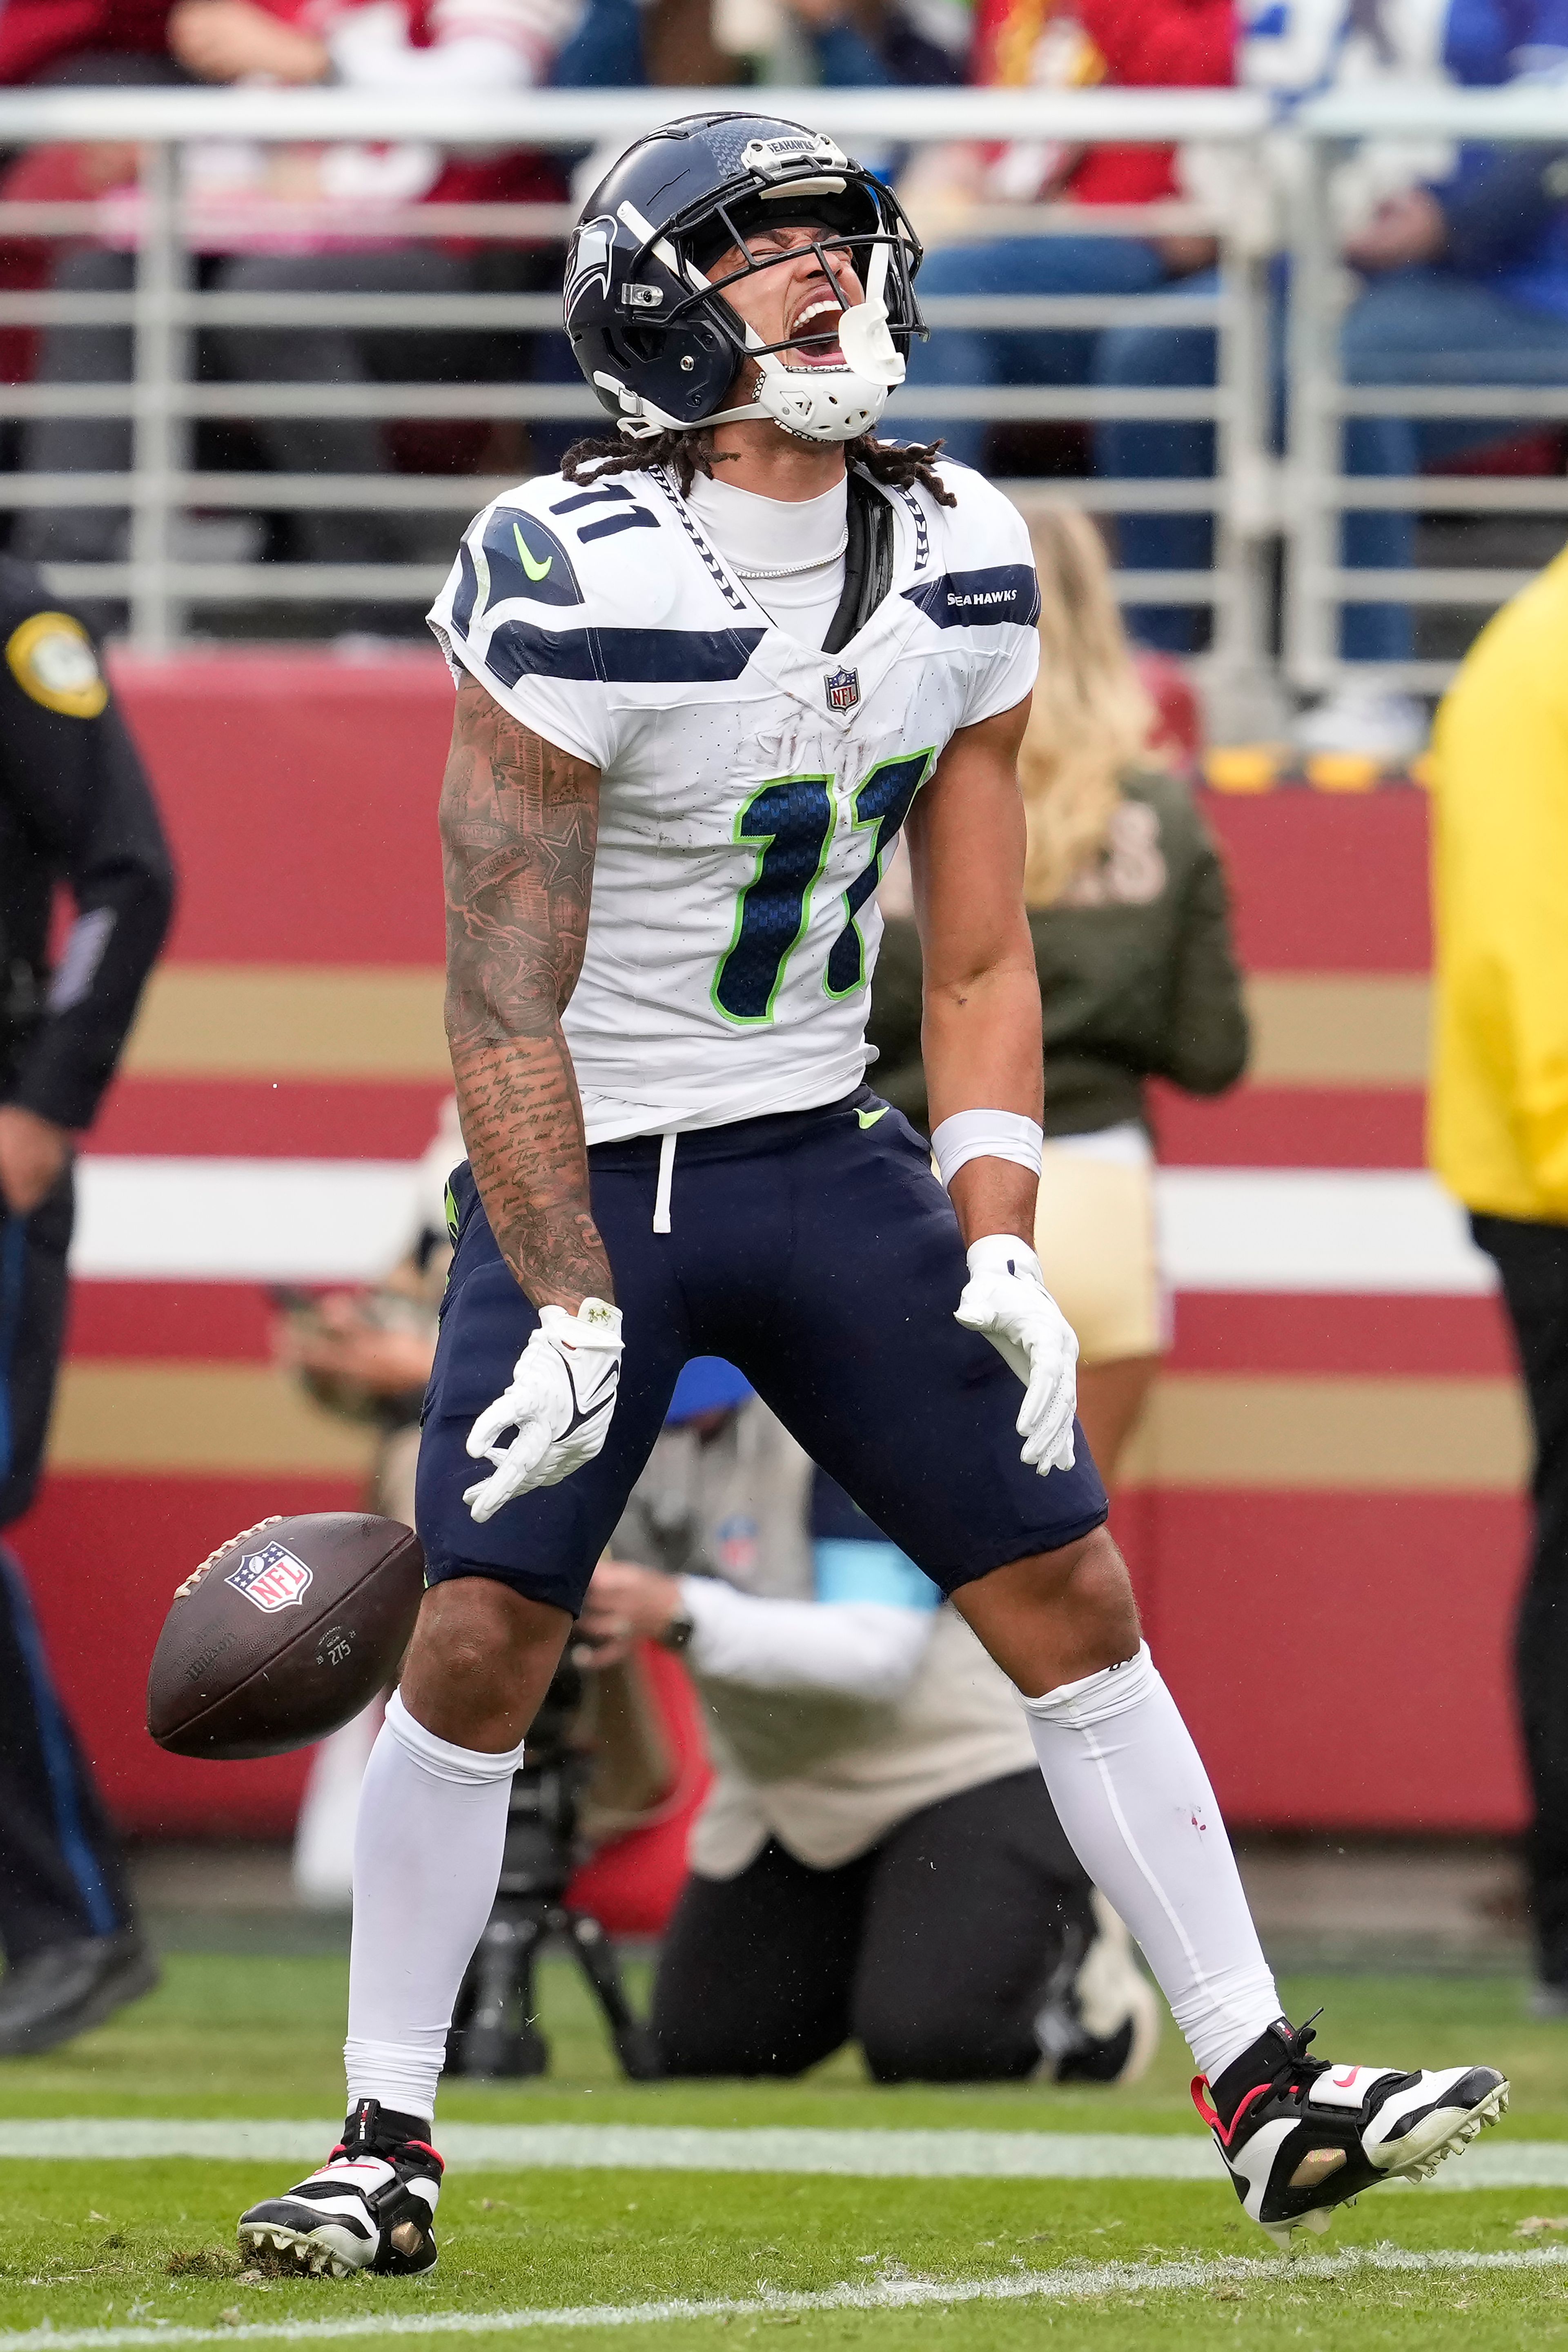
1131, 922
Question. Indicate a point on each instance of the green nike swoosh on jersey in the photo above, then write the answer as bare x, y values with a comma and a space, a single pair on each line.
535, 571
869, 1117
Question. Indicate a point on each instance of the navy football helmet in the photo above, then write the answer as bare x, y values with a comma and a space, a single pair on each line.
651, 329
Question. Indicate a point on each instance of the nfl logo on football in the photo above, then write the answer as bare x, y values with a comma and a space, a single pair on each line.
844, 690
270, 1579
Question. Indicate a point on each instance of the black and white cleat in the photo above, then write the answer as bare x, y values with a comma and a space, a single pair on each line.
371, 2207
1299, 2136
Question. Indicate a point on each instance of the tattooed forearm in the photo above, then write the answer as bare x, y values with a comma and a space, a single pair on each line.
519, 822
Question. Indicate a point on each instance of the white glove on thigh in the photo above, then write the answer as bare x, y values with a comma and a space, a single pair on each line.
559, 1400
1005, 1300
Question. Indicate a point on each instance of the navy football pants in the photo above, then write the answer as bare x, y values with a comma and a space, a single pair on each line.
816, 1251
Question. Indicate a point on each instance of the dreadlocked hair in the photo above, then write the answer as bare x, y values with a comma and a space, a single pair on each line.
895, 463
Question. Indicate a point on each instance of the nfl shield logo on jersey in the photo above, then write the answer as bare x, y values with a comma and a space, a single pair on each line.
272, 1579
844, 690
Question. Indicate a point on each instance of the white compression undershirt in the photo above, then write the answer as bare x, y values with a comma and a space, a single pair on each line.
756, 536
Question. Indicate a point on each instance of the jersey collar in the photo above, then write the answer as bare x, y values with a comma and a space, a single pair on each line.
831, 687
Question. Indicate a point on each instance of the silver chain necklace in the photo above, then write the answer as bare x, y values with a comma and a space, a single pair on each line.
788, 570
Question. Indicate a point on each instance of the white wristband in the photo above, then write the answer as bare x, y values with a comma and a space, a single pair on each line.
986, 1135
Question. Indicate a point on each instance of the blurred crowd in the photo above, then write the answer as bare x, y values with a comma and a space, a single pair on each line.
1463, 258
1460, 257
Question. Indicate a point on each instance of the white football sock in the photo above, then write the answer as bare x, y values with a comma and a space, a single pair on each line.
428, 1857
1132, 1793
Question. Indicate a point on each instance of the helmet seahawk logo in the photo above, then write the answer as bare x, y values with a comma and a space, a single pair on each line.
843, 689
590, 262
271, 1578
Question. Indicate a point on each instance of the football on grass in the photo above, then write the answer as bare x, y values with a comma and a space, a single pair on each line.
284, 1634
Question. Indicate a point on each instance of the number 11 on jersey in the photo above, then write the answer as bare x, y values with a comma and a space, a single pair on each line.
791, 821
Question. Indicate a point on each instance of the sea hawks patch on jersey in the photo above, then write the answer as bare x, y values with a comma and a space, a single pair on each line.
753, 787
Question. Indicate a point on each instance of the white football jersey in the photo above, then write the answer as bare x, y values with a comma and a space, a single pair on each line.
753, 787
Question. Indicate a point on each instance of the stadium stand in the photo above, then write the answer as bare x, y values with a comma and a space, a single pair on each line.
222, 540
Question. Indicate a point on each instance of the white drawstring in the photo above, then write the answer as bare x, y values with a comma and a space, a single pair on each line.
666, 1177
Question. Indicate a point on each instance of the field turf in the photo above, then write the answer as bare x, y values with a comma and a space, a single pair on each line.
139, 2249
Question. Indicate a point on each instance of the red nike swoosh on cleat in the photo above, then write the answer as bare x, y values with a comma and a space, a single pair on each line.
1346, 2081
1210, 2114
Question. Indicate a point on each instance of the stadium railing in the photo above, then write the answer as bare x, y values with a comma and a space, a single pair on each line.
1316, 492
1255, 497
167, 593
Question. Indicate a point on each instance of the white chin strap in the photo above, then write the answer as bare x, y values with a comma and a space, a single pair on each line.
820, 404
834, 404
814, 403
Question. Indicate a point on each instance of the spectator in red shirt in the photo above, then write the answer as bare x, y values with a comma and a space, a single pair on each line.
39, 37
75, 43
244, 217
1059, 44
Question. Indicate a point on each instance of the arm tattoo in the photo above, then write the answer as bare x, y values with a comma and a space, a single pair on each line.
519, 825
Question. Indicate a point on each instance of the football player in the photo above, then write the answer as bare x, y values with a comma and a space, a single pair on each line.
705, 677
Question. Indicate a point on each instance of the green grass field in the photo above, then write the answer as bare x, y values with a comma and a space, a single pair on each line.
139, 2249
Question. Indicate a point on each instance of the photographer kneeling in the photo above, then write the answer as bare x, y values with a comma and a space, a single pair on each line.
878, 1858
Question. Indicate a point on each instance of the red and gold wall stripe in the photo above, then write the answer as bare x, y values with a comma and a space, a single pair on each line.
1326, 1500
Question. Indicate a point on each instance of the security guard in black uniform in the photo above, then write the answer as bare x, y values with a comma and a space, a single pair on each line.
75, 808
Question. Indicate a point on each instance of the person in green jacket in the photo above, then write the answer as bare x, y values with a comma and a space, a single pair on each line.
1130, 920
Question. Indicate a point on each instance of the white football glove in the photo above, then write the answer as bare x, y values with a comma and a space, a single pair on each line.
559, 1400
1005, 1300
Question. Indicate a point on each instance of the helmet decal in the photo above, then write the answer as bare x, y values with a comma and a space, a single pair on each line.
588, 264
770, 158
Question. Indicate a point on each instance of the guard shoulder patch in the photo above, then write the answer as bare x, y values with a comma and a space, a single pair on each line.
51, 657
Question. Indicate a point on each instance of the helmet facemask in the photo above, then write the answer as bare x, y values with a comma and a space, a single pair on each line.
814, 401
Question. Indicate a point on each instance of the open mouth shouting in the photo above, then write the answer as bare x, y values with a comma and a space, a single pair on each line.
813, 334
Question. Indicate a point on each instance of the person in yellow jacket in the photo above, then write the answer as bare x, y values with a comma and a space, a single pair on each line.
1498, 1118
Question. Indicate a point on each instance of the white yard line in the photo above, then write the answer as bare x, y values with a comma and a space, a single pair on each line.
660, 2147
1076, 2283
655, 2147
